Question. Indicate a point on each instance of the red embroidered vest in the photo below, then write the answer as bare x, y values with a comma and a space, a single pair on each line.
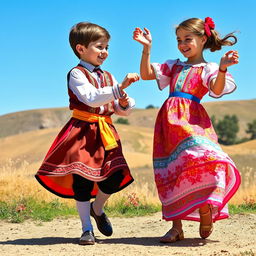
75, 103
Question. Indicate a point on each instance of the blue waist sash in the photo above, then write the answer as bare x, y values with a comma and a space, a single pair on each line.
184, 95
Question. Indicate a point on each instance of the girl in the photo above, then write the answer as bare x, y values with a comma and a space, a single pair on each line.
195, 179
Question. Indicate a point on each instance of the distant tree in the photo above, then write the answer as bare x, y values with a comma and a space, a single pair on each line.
150, 106
213, 119
227, 130
121, 120
251, 129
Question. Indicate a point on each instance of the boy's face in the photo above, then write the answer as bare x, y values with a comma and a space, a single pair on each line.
95, 53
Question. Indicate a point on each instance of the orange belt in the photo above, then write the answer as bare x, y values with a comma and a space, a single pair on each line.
106, 134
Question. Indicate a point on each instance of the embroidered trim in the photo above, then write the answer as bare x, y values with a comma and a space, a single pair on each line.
185, 144
182, 78
57, 170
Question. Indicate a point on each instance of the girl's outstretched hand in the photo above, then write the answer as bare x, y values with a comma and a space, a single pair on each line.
142, 37
228, 59
129, 79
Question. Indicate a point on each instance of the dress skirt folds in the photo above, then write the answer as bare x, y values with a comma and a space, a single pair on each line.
189, 165
78, 149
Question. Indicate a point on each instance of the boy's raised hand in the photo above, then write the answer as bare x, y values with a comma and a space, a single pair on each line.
142, 37
124, 101
129, 79
228, 59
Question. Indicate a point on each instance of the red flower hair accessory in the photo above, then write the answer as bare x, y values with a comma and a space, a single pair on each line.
208, 25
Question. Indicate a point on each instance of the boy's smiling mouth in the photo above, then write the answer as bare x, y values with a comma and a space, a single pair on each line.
101, 58
185, 50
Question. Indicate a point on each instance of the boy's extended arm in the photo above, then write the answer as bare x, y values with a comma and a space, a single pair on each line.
88, 94
124, 111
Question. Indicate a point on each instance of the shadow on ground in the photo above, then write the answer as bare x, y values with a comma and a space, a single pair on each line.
148, 241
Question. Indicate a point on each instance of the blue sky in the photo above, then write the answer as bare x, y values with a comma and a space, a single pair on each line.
36, 56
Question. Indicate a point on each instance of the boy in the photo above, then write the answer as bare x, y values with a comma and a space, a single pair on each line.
86, 159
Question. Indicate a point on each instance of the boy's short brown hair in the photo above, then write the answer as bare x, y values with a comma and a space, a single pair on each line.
84, 33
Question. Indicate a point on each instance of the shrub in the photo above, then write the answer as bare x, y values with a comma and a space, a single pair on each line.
226, 129
251, 129
150, 106
121, 120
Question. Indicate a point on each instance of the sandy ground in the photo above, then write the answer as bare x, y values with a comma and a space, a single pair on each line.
132, 236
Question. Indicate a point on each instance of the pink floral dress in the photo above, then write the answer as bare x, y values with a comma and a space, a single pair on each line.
190, 167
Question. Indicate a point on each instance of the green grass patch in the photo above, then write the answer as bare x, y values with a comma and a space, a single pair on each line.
30, 208
242, 208
131, 206
18, 211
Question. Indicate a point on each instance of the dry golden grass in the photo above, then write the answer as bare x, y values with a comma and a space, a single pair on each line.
244, 195
245, 148
135, 159
23, 153
17, 183
247, 189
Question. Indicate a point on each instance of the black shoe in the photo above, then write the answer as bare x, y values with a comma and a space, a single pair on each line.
87, 238
103, 223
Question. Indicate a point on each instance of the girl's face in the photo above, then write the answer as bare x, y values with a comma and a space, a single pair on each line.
95, 53
190, 45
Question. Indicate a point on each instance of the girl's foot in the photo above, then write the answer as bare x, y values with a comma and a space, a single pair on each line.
206, 225
172, 236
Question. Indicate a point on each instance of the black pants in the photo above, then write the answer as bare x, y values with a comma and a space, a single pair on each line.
82, 187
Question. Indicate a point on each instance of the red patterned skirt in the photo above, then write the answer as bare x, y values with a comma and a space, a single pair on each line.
78, 149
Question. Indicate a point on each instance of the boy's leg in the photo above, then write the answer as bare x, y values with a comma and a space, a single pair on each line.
102, 221
106, 188
99, 202
82, 190
83, 209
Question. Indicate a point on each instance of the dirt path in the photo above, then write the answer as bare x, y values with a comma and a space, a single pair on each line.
132, 237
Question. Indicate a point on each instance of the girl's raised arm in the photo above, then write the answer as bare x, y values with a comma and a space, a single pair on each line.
230, 58
146, 71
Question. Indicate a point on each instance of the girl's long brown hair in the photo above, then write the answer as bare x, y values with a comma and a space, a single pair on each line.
214, 41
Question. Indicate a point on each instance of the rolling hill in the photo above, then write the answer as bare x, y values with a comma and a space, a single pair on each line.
19, 122
26, 136
32, 146
137, 146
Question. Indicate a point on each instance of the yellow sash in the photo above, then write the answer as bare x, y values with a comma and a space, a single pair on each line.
106, 134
